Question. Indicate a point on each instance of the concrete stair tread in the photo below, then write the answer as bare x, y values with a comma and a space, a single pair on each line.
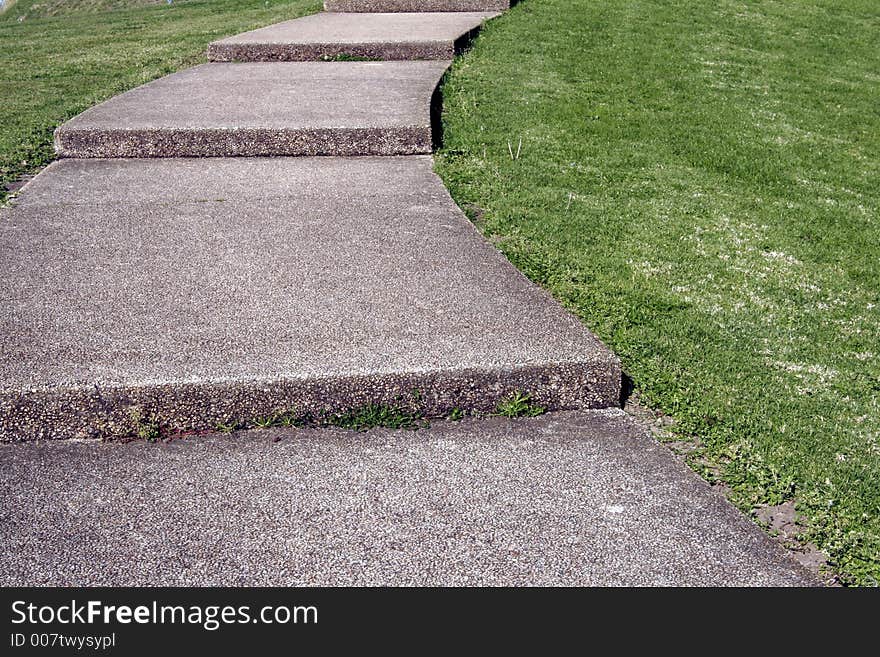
366, 6
253, 284
583, 499
398, 36
282, 108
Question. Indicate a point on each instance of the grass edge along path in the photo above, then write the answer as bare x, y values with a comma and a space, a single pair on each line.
697, 181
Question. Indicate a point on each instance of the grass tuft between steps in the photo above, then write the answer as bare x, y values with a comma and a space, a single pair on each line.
143, 424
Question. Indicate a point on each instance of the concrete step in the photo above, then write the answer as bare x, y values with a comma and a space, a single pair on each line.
252, 109
374, 36
584, 499
204, 292
415, 5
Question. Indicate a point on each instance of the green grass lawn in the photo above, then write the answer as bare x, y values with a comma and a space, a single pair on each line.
699, 181
59, 58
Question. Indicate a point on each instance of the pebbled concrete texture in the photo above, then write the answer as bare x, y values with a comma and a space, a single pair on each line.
204, 292
402, 36
255, 109
563, 499
415, 5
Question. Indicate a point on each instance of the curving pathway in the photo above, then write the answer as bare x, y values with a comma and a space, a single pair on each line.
265, 233
213, 291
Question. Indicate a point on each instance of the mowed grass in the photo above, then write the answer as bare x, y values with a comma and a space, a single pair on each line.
699, 181
53, 68
25, 9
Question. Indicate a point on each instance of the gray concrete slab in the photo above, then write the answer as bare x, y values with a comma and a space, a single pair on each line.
379, 36
253, 109
415, 5
206, 291
563, 499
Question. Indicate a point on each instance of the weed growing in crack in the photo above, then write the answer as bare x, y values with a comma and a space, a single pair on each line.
281, 419
146, 427
371, 416
227, 428
518, 404
265, 422
347, 57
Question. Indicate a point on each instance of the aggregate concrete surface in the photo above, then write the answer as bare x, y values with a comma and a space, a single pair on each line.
210, 291
376, 36
259, 108
415, 5
563, 499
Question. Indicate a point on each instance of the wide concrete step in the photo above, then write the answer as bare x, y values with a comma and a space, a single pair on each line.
252, 109
328, 36
415, 5
566, 499
201, 292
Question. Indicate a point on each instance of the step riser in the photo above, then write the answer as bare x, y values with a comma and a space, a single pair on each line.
109, 413
338, 36
396, 6
273, 52
71, 143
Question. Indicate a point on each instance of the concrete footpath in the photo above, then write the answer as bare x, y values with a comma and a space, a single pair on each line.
215, 292
165, 275
564, 499
143, 284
